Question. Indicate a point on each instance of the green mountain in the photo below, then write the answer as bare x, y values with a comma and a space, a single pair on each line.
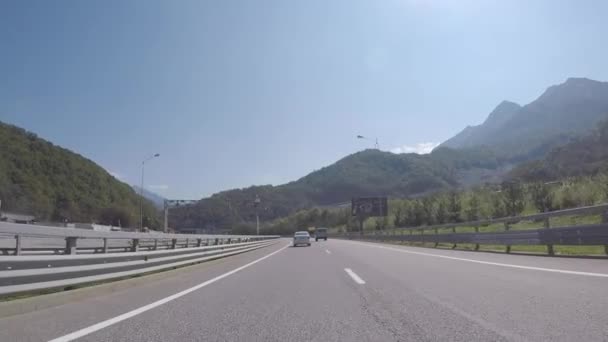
561, 113
486, 153
53, 183
365, 173
581, 157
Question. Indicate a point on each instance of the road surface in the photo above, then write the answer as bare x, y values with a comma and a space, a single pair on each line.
341, 291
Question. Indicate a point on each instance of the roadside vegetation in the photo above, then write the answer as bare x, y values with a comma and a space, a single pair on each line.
510, 198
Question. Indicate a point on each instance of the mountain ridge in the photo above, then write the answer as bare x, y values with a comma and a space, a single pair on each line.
365, 173
559, 114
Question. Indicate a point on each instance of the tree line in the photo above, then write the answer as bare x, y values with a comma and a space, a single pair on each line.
510, 198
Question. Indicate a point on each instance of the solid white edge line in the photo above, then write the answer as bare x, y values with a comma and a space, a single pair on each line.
533, 268
96, 327
355, 277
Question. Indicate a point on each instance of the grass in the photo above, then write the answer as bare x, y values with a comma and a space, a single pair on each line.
500, 227
527, 249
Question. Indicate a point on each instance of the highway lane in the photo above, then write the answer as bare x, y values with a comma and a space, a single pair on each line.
349, 291
105, 301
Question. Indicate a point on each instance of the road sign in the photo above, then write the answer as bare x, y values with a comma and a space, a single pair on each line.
369, 206
178, 203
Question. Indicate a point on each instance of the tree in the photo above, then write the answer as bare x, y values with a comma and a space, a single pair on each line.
428, 205
381, 223
514, 199
472, 212
416, 214
498, 207
454, 207
541, 197
442, 212
397, 221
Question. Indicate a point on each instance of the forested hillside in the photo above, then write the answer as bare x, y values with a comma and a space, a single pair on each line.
53, 183
480, 202
582, 157
365, 173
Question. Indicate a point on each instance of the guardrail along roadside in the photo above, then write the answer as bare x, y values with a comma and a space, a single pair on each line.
485, 232
39, 258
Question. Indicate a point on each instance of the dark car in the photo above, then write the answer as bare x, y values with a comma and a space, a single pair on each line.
321, 233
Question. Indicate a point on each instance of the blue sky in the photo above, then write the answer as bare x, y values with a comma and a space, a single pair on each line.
234, 93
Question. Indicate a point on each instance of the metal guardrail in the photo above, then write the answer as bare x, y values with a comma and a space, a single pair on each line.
19, 239
27, 273
580, 235
589, 210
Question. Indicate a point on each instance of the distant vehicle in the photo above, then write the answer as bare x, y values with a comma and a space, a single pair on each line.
321, 233
301, 238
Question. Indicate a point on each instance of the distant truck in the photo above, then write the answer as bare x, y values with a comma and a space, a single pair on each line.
321, 233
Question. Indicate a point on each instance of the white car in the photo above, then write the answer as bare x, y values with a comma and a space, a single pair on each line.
301, 238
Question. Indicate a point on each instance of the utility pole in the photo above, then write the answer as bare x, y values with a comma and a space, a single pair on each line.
141, 192
166, 210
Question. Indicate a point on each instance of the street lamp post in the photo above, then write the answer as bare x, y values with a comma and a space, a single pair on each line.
256, 204
141, 192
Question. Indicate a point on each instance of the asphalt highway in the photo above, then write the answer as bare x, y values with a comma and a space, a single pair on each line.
341, 291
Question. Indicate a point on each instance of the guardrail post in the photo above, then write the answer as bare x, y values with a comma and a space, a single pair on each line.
507, 227
550, 250
135, 245
199, 242
476, 231
17, 244
217, 241
173, 243
187, 242
70, 245
105, 245
605, 220
422, 236
229, 240
155, 244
